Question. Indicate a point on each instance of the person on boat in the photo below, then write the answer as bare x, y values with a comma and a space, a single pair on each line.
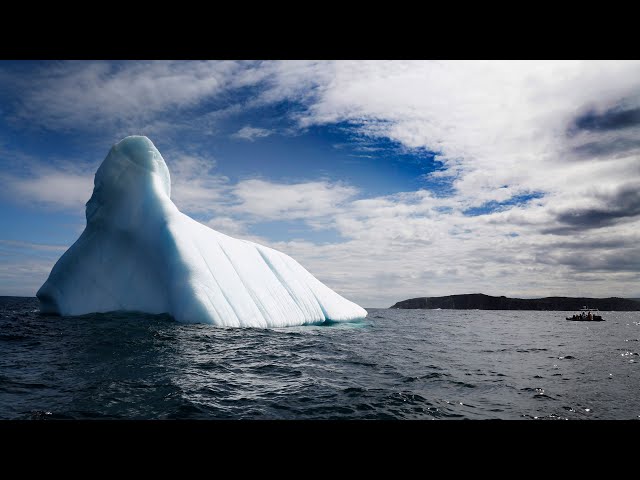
590, 317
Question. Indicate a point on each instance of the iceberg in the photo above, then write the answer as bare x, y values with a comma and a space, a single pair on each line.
138, 252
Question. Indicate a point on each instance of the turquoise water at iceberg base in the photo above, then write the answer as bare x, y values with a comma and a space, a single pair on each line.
395, 364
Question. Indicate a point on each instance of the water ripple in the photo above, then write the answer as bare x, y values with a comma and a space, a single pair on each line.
397, 364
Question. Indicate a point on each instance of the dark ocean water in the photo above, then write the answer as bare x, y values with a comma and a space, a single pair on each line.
397, 364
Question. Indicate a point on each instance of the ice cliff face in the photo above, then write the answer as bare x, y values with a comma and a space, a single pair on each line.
138, 252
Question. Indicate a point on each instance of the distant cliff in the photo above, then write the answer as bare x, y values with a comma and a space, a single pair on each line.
486, 302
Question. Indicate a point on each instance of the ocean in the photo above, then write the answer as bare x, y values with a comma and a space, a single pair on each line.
396, 364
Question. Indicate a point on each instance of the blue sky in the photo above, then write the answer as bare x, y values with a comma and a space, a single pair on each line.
387, 180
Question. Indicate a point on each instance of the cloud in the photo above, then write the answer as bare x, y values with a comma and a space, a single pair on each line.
57, 184
250, 134
119, 95
612, 119
33, 246
414, 243
26, 265
493, 123
273, 201
23, 276
229, 226
620, 205
607, 148
195, 186
63, 190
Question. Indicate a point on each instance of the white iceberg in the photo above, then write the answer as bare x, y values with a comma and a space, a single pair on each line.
138, 252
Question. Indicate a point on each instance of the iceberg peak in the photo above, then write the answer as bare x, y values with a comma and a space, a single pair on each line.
138, 252
134, 170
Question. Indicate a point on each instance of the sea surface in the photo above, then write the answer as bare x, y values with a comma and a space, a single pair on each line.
396, 364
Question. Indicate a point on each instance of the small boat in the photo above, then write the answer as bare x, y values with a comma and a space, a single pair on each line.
585, 315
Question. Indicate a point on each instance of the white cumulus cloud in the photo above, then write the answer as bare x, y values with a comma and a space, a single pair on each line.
250, 134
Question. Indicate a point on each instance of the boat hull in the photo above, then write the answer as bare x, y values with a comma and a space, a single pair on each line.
581, 320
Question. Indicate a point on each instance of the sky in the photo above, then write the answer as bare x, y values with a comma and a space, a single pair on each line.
387, 180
